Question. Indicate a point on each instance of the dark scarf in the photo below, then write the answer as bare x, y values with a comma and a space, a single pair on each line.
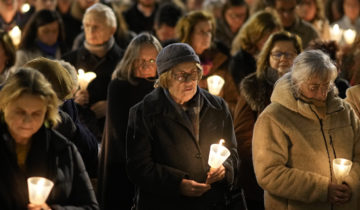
190, 110
100, 50
50, 51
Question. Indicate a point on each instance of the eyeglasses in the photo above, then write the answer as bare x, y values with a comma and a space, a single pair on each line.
278, 55
144, 63
316, 87
187, 77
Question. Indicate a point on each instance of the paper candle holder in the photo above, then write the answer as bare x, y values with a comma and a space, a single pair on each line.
215, 84
341, 168
218, 154
39, 189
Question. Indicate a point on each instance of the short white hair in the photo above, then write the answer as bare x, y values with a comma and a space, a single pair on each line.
312, 63
103, 11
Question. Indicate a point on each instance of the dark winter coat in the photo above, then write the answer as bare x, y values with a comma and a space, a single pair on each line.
241, 65
162, 150
50, 156
255, 95
114, 186
80, 135
103, 67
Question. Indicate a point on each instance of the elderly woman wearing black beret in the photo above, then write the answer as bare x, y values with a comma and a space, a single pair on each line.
169, 136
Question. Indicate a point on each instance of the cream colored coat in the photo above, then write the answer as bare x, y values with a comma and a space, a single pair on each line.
293, 151
353, 97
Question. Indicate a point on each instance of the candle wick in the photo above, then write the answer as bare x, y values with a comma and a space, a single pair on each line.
222, 141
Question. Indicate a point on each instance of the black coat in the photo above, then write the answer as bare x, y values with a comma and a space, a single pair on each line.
162, 150
114, 187
50, 156
241, 65
103, 67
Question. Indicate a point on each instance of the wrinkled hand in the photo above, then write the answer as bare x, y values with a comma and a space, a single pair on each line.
99, 108
81, 97
339, 194
192, 188
38, 207
215, 174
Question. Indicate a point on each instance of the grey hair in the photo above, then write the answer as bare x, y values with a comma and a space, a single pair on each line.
72, 71
124, 69
103, 11
310, 64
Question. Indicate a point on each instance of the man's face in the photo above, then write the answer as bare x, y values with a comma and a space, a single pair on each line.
286, 11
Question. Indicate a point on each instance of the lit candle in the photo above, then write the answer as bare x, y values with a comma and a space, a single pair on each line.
85, 78
349, 36
39, 189
336, 33
25, 8
215, 84
342, 168
15, 34
218, 154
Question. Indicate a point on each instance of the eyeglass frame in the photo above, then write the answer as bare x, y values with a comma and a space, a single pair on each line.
143, 62
287, 55
187, 76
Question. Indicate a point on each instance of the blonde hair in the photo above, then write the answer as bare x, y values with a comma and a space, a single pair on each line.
258, 26
56, 74
164, 78
185, 26
31, 81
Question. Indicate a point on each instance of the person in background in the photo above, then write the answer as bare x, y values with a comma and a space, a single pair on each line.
312, 11
353, 98
43, 36
7, 55
63, 85
9, 16
214, 7
293, 163
334, 10
140, 16
166, 18
274, 60
248, 43
30, 147
233, 16
292, 22
99, 54
331, 49
351, 17
132, 79
197, 29
169, 135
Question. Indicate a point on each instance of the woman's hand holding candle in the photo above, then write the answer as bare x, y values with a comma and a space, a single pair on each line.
339, 194
215, 174
38, 206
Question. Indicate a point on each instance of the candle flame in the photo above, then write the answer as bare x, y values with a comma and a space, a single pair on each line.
15, 34
221, 142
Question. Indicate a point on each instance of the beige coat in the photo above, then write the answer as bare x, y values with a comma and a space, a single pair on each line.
293, 151
353, 97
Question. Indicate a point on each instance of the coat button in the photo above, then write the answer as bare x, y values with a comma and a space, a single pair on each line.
198, 156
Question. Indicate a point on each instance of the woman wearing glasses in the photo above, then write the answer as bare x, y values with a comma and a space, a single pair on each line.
297, 137
132, 79
274, 60
169, 136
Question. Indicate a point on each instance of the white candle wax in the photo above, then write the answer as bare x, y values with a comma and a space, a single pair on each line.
215, 84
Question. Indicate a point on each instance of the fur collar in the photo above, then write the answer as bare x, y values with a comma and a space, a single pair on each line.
256, 91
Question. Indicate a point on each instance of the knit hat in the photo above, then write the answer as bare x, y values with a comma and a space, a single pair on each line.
174, 54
